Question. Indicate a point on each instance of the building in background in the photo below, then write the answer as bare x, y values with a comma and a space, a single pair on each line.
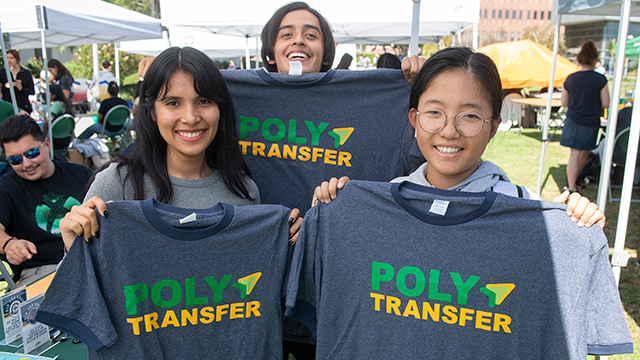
506, 20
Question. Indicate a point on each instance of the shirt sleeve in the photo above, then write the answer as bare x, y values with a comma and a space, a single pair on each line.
607, 329
106, 185
56, 109
6, 204
85, 315
302, 295
66, 82
27, 82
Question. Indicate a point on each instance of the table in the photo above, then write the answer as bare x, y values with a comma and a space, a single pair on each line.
63, 349
539, 105
538, 102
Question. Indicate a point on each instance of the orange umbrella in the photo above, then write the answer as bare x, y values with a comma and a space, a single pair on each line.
526, 63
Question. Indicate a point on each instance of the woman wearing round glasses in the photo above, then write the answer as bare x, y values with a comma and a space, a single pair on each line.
455, 106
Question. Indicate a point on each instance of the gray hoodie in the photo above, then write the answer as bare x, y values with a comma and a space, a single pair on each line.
487, 177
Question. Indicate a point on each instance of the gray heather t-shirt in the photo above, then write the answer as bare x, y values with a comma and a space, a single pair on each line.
297, 131
187, 193
151, 288
495, 277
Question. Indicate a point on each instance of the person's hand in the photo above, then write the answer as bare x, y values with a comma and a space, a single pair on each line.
19, 250
143, 66
295, 221
82, 221
411, 65
581, 209
328, 190
18, 84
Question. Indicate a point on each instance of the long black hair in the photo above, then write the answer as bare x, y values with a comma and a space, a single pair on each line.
60, 69
149, 156
271, 28
56, 90
479, 65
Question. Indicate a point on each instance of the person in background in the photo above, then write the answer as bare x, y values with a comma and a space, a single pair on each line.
345, 62
22, 82
100, 82
59, 103
585, 94
389, 61
105, 106
136, 98
33, 199
6, 110
60, 75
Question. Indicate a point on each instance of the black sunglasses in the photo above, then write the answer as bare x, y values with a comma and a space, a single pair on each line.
29, 154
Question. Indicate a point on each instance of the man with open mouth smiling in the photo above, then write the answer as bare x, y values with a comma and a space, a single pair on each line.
297, 32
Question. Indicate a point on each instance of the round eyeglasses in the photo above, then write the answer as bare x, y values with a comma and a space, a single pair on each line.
433, 120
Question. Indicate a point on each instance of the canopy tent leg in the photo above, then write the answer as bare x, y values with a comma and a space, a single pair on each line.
547, 115
415, 29
475, 37
8, 73
116, 47
247, 54
43, 40
612, 114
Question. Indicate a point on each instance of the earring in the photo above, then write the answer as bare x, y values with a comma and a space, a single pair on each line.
416, 134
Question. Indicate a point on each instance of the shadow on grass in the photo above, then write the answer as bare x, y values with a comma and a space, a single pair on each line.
559, 174
554, 135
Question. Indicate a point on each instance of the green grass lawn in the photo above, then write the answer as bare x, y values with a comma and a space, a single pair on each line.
519, 157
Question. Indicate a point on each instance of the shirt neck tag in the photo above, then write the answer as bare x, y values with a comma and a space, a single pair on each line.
295, 68
439, 207
188, 219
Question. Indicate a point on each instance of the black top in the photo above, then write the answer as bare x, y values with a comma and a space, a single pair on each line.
106, 105
31, 210
22, 96
585, 105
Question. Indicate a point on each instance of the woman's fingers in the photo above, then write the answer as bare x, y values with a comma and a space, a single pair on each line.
82, 221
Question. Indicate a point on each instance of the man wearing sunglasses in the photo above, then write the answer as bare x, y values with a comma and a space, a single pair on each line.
33, 199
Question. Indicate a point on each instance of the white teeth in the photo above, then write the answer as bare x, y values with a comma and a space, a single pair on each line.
447, 150
190, 134
298, 55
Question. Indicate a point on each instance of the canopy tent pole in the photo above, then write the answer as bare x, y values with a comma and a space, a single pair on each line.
43, 41
116, 47
620, 255
8, 73
612, 114
166, 36
96, 60
415, 29
475, 37
547, 115
246, 53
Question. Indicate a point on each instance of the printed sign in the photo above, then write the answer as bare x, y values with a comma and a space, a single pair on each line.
11, 321
34, 334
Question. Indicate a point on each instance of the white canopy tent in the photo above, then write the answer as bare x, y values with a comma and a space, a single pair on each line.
622, 8
43, 23
352, 22
214, 45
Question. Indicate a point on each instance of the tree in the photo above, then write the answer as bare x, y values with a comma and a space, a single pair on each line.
82, 65
544, 34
